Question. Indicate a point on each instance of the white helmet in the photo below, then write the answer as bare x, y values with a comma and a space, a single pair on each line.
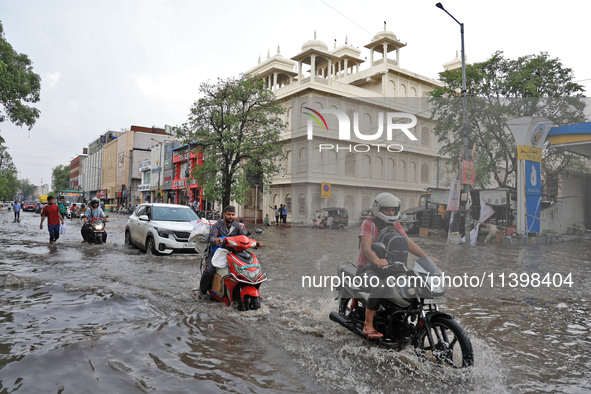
386, 200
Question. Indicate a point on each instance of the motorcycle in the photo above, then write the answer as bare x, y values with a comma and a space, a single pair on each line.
409, 315
97, 233
240, 280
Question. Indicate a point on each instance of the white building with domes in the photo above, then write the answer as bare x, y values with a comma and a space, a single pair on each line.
341, 79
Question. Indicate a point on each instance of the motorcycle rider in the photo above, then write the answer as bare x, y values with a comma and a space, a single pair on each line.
386, 208
225, 227
93, 212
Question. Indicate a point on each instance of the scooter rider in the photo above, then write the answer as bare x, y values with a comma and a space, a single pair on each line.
386, 208
225, 227
93, 212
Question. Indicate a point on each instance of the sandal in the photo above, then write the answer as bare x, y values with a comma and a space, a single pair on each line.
373, 335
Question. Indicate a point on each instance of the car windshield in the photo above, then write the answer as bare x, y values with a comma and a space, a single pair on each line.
173, 214
408, 216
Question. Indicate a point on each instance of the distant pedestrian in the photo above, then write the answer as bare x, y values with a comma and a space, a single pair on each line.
17, 211
266, 221
284, 215
329, 223
53, 220
277, 214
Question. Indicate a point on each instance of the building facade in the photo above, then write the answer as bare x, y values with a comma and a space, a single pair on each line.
93, 168
319, 80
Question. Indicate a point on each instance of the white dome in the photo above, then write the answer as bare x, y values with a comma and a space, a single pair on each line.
314, 44
385, 33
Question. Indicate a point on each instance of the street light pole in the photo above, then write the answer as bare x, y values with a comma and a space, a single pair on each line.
465, 151
159, 164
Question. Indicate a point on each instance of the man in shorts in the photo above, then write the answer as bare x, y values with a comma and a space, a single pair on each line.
54, 218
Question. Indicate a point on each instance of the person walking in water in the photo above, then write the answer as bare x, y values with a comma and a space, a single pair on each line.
54, 218
17, 211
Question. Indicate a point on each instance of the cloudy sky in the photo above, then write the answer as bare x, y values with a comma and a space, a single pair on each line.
109, 64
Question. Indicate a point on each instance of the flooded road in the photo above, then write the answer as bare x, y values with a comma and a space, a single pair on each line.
108, 318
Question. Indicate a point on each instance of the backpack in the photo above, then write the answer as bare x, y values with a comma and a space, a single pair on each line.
396, 244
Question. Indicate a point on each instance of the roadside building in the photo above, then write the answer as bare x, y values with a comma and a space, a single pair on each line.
93, 168
121, 174
185, 188
321, 79
77, 172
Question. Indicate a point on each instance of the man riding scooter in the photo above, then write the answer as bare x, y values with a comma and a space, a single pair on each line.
93, 212
226, 227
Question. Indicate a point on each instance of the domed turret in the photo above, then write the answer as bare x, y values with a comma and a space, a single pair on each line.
314, 44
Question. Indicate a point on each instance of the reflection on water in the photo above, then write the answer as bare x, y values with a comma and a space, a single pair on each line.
92, 318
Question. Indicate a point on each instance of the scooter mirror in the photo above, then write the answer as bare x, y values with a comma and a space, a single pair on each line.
379, 249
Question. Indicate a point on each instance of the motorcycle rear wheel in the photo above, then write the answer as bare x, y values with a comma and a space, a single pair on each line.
452, 346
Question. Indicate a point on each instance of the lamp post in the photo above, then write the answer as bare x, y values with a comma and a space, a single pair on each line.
159, 164
465, 151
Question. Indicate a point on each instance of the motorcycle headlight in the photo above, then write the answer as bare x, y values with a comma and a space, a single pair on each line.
99, 226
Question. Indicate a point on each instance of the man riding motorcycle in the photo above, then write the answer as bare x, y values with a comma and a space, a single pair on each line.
386, 211
93, 212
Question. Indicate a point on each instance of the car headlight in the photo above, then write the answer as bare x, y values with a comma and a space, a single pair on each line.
164, 233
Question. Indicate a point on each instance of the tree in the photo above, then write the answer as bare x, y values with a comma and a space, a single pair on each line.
60, 176
18, 85
237, 125
500, 89
9, 184
27, 189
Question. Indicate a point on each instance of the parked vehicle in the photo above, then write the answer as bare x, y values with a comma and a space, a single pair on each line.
161, 228
409, 315
239, 281
366, 214
340, 216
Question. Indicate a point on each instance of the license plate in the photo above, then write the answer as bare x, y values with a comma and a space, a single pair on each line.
436, 300
190, 245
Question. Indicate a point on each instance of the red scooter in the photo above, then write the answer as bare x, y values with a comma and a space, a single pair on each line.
239, 282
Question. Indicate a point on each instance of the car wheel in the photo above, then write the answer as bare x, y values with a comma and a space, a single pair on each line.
127, 237
151, 246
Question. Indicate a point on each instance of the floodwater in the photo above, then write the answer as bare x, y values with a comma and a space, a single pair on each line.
108, 318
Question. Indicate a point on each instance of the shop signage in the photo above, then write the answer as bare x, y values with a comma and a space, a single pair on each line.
145, 165
179, 184
143, 188
183, 157
101, 193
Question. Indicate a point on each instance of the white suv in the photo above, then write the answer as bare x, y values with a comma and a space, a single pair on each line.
161, 228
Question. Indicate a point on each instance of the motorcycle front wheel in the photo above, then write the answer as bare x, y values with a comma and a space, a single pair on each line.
251, 303
452, 347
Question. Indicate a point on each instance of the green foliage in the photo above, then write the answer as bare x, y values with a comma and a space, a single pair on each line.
236, 124
27, 189
9, 185
18, 85
500, 89
60, 176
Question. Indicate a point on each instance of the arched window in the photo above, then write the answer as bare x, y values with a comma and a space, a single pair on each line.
366, 166
425, 136
331, 163
350, 203
302, 204
424, 173
402, 170
350, 164
379, 168
391, 170
413, 171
